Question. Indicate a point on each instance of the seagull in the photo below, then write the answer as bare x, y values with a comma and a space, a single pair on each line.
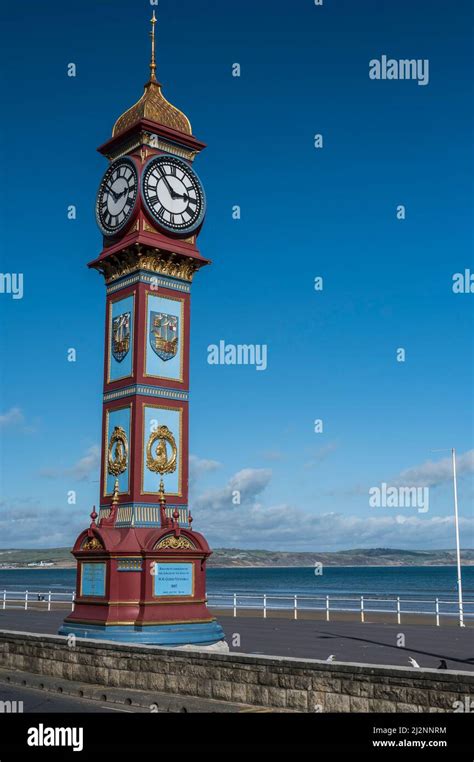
414, 663
442, 664
331, 658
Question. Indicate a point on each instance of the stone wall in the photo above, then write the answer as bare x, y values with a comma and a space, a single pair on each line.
297, 684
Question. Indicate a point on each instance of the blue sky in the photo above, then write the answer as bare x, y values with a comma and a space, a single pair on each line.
305, 213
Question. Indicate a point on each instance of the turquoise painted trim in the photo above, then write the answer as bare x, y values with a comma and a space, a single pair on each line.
204, 634
147, 391
150, 278
137, 522
169, 506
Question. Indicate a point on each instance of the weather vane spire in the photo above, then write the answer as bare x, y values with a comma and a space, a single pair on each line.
153, 62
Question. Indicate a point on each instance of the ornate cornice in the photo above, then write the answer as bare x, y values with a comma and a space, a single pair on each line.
147, 142
138, 257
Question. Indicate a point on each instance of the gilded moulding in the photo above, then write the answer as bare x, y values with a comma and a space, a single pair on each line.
175, 543
136, 258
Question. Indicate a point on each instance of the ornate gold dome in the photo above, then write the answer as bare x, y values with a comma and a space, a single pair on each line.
154, 106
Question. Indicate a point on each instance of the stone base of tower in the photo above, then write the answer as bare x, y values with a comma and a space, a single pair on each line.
144, 586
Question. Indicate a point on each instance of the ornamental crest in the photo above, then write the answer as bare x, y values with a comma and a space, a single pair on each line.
174, 543
161, 451
92, 543
164, 335
117, 457
121, 336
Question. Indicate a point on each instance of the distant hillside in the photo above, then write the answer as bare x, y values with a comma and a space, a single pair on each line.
233, 557
57, 556
361, 557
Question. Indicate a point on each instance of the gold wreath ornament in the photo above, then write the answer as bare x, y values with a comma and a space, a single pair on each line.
118, 452
159, 461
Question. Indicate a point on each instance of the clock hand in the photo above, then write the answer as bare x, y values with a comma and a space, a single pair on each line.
174, 194
184, 196
108, 187
171, 190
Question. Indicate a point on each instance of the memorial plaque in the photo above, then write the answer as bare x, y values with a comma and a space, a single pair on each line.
173, 579
93, 580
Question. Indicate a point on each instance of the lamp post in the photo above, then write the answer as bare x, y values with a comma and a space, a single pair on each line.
458, 548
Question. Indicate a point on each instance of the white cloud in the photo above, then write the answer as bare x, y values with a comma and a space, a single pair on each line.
248, 483
13, 417
433, 473
428, 474
81, 470
251, 524
200, 466
31, 526
321, 454
86, 465
272, 455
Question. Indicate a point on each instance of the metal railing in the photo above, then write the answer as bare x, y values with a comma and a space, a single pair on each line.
363, 605
35, 600
296, 606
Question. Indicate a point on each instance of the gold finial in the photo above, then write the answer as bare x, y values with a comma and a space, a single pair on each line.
161, 494
153, 62
115, 498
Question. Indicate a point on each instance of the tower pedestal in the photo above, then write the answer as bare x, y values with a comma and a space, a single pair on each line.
143, 586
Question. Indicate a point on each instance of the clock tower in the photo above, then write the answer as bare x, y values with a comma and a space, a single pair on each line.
140, 565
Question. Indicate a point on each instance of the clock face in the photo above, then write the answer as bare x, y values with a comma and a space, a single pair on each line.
173, 194
117, 197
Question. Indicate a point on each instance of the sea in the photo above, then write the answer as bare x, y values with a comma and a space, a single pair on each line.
417, 586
